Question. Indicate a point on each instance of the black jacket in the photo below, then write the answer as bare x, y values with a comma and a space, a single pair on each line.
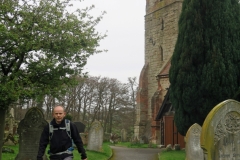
60, 141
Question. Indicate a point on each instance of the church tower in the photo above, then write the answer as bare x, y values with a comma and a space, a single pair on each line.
161, 31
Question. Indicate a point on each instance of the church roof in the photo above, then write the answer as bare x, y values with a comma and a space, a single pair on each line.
165, 107
165, 71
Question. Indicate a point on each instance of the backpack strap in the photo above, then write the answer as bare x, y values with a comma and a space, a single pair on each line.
50, 130
68, 129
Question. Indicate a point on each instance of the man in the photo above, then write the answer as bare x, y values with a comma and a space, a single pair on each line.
60, 140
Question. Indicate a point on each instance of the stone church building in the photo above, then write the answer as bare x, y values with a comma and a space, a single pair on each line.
161, 30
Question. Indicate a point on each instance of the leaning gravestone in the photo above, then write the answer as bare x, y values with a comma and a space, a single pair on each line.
193, 148
95, 137
220, 137
29, 130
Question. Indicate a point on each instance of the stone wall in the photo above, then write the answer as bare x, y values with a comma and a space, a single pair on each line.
161, 30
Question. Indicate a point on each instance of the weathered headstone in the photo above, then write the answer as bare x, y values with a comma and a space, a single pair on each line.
220, 137
106, 136
8, 138
95, 136
11, 120
29, 130
80, 127
193, 148
123, 135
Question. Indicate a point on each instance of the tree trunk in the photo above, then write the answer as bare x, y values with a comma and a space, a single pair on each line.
110, 122
2, 125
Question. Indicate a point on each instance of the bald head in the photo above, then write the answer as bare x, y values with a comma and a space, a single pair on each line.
58, 106
58, 113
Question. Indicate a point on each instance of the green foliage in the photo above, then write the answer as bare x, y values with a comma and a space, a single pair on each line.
43, 47
205, 63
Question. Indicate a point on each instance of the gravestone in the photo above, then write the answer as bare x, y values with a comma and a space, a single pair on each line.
8, 138
80, 126
193, 148
29, 130
123, 135
95, 137
220, 137
11, 120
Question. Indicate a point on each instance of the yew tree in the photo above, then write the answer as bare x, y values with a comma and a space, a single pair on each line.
205, 68
44, 44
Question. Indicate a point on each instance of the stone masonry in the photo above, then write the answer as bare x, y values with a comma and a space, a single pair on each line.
161, 30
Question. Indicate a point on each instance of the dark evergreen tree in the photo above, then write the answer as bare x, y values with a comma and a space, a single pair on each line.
205, 63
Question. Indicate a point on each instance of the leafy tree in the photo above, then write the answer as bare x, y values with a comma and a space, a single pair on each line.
205, 63
43, 47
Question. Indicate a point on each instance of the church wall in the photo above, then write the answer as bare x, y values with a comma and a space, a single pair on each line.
161, 28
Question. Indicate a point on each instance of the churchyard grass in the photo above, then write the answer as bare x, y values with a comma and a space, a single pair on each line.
172, 155
10, 156
104, 155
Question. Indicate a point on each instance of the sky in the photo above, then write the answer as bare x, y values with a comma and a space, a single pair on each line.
124, 24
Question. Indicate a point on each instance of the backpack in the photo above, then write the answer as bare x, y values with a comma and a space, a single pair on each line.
67, 128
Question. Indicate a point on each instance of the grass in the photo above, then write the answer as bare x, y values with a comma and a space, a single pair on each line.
172, 155
107, 152
10, 156
92, 155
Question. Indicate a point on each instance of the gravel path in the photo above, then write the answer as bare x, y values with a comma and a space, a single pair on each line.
122, 153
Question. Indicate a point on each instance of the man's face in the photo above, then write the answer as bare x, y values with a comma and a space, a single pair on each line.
58, 114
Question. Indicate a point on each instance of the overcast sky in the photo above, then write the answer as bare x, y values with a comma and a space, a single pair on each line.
124, 23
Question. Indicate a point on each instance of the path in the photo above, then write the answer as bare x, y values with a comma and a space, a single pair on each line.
122, 153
